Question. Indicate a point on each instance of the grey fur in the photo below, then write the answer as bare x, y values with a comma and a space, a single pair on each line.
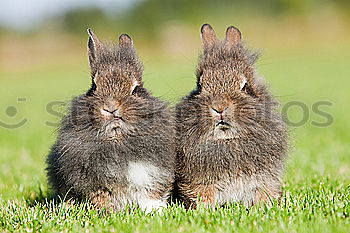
91, 155
242, 158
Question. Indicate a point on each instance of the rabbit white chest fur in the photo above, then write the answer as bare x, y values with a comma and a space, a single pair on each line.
239, 190
144, 177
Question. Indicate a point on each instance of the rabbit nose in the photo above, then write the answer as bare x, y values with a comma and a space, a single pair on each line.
111, 111
116, 114
218, 113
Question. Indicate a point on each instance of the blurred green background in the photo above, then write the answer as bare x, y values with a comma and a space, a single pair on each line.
305, 57
305, 47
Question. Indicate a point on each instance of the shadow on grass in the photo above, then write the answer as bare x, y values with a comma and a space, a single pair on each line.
38, 196
49, 201
41, 197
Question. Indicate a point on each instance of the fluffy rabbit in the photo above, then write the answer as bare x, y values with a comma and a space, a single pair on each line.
115, 146
231, 142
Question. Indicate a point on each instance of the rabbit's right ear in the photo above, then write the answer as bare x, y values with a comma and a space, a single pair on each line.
94, 47
208, 36
233, 37
125, 41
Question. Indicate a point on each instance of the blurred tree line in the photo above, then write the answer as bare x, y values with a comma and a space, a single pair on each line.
147, 16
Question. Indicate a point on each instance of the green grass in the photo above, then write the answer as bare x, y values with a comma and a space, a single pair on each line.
316, 184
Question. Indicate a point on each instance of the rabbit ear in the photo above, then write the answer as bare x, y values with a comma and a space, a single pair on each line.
233, 37
94, 46
125, 41
208, 36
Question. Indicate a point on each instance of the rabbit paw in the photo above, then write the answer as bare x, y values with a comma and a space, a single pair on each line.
102, 199
149, 205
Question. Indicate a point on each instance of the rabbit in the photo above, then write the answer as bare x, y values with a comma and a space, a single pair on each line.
231, 142
115, 147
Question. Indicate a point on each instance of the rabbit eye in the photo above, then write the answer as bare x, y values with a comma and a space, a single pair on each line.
196, 91
244, 88
243, 82
248, 90
135, 90
199, 88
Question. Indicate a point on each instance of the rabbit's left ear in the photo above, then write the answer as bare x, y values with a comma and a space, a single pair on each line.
125, 41
94, 47
208, 36
233, 37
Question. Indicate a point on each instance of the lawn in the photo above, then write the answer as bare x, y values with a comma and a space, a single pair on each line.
316, 191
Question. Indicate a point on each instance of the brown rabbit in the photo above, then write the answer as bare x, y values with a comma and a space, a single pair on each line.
115, 147
231, 142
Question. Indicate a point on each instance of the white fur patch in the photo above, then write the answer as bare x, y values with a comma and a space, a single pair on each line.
142, 174
135, 83
224, 134
96, 76
149, 205
240, 190
142, 178
105, 112
243, 82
